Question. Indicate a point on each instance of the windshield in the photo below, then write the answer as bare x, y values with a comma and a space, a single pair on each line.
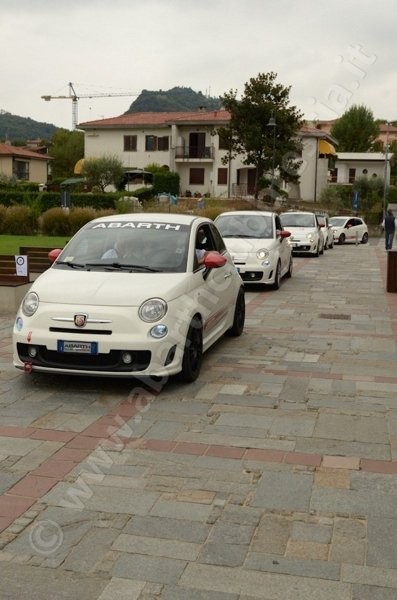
337, 221
128, 246
298, 220
245, 226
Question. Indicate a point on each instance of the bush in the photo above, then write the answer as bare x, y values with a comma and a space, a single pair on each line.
167, 182
143, 193
79, 217
55, 221
3, 210
18, 220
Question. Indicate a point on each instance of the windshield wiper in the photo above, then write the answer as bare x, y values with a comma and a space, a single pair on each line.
70, 264
122, 266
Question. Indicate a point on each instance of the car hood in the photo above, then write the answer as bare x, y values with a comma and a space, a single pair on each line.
108, 288
243, 246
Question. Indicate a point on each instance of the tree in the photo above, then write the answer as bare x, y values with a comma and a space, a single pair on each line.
103, 171
248, 132
67, 147
356, 130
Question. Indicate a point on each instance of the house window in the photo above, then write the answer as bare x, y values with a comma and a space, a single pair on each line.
130, 143
222, 176
196, 176
352, 175
163, 143
150, 143
20, 169
334, 175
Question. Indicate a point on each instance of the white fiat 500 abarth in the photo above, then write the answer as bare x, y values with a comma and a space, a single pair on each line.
131, 295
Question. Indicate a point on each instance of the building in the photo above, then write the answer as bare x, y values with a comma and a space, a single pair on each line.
23, 164
187, 143
350, 166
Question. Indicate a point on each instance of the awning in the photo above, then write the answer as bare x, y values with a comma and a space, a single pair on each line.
325, 147
72, 181
78, 166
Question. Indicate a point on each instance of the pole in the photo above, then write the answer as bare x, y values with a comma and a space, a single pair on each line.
272, 123
386, 170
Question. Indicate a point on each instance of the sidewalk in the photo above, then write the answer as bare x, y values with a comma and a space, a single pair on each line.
274, 476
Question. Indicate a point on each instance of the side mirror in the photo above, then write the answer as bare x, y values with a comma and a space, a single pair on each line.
283, 233
214, 260
53, 254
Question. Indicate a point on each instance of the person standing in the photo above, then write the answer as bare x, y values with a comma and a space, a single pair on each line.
390, 228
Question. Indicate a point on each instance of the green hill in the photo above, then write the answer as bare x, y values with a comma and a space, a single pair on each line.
175, 99
21, 129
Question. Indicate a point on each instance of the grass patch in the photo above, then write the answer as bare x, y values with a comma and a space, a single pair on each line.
9, 244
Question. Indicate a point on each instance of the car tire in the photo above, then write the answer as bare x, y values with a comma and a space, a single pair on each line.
341, 239
277, 277
239, 316
364, 239
193, 352
290, 268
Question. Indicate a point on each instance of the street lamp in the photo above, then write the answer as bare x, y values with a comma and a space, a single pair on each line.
386, 170
272, 123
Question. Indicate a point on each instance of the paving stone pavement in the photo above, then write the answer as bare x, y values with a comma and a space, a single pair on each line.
274, 476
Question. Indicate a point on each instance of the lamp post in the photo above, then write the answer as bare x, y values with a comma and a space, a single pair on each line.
272, 123
386, 171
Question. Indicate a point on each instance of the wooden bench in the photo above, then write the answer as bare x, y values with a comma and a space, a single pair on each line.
8, 275
38, 257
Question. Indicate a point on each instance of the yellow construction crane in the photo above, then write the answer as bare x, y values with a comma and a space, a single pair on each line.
75, 98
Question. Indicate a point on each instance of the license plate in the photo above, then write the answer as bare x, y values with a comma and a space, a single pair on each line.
78, 347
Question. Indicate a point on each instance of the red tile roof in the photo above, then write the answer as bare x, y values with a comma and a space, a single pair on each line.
19, 152
159, 118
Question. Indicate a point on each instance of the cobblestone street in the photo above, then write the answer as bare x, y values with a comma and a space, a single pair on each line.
273, 476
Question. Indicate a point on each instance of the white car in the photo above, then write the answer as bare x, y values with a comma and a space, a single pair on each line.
349, 229
306, 235
323, 221
258, 245
152, 313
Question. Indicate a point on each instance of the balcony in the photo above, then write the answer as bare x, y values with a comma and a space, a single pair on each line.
194, 153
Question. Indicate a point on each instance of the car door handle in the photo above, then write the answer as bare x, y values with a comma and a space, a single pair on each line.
227, 275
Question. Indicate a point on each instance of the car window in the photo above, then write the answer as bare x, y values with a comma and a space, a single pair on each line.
298, 220
159, 246
337, 221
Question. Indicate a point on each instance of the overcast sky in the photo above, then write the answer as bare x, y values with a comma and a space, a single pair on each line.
332, 53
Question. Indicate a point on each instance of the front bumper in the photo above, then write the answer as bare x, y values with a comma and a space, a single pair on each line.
255, 272
304, 247
121, 347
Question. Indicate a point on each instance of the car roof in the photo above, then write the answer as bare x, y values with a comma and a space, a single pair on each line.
298, 212
261, 213
179, 218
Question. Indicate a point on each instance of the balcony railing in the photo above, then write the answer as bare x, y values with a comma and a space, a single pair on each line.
194, 152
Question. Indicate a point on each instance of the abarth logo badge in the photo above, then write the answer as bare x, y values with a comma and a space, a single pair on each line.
80, 320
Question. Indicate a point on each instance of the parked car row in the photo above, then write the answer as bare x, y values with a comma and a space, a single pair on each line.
147, 294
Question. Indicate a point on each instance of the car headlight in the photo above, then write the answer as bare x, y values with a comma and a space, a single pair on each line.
30, 304
310, 237
262, 253
152, 310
